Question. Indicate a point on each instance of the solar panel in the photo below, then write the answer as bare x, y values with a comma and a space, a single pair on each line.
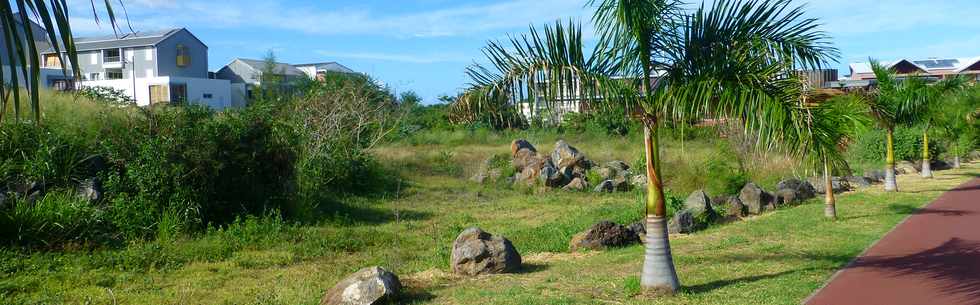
938, 63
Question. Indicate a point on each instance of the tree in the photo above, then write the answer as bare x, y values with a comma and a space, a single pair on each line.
22, 53
958, 123
735, 59
929, 109
903, 101
832, 122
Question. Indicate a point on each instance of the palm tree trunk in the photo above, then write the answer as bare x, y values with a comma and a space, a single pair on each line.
956, 162
830, 210
659, 276
890, 184
926, 166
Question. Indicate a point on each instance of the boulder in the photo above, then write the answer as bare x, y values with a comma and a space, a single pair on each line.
565, 155
620, 184
941, 165
369, 286
606, 186
521, 144
639, 181
755, 199
698, 203
550, 177
683, 222
607, 173
477, 252
577, 184
858, 181
527, 159
875, 176
640, 229
617, 165
733, 207
785, 196
602, 235
973, 156
93, 165
90, 189
905, 168
837, 184
802, 190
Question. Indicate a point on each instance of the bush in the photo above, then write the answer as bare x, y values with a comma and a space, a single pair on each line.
57, 218
870, 146
107, 95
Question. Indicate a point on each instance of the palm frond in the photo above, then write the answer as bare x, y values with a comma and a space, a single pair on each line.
23, 55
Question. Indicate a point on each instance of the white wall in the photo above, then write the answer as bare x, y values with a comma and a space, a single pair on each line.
219, 89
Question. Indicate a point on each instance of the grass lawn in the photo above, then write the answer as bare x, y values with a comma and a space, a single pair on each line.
778, 258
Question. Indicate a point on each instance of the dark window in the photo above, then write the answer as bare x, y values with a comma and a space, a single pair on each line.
111, 55
207, 95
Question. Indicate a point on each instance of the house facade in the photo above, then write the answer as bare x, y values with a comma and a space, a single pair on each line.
167, 66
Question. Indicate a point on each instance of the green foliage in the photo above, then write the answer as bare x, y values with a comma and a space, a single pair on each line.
107, 95
870, 145
57, 218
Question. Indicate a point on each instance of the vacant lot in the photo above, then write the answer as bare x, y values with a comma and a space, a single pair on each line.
778, 258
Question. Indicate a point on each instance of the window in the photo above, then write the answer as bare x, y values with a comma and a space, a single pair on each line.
111, 55
113, 74
183, 56
208, 95
93, 76
52, 61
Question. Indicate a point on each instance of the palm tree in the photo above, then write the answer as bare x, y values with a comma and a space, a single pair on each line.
735, 59
22, 53
832, 123
958, 123
905, 101
928, 110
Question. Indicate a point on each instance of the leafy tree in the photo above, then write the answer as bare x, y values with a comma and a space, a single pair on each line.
958, 123
732, 60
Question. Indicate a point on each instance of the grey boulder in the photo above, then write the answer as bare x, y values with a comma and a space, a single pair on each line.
682, 223
369, 286
755, 199
606, 186
477, 252
565, 155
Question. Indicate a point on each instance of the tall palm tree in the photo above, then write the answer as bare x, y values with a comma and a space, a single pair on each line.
22, 54
905, 101
735, 59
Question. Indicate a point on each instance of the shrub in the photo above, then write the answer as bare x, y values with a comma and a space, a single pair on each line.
870, 146
107, 95
56, 218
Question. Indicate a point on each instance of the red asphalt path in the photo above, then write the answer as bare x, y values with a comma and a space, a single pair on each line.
932, 258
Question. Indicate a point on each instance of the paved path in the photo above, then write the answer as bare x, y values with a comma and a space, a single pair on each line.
932, 258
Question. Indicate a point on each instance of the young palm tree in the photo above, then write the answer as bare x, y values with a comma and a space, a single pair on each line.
832, 122
733, 60
22, 54
958, 123
929, 109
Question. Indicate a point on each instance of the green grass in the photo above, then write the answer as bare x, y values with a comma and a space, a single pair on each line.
777, 258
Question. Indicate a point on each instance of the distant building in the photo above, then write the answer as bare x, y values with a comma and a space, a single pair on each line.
318, 70
933, 67
166, 66
822, 78
246, 74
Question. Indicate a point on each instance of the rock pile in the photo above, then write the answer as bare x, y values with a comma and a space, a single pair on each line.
565, 168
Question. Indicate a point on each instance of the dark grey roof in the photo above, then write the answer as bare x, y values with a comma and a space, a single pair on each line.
126, 40
259, 65
329, 66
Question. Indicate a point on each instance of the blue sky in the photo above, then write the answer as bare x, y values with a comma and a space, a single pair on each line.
425, 45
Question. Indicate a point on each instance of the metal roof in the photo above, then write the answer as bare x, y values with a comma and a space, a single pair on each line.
329, 66
259, 65
127, 40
